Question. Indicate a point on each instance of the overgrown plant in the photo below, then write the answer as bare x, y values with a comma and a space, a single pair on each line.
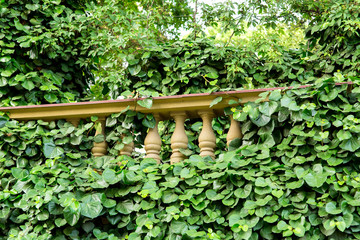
293, 175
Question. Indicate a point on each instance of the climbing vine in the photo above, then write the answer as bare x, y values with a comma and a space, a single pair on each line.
293, 175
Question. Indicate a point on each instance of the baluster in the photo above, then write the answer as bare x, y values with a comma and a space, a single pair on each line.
74, 121
207, 139
234, 130
127, 149
153, 141
179, 138
100, 149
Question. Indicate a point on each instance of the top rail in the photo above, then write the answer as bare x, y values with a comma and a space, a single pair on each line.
161, 105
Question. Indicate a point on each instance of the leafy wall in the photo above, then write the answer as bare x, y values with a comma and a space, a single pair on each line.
293, 175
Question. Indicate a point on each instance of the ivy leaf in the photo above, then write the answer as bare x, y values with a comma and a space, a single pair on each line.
315, 179
275, 95
146, 103
91, 206
3, 121
169, 62
72, 213
51, 150
19, 173
243, 192
134, 70
125, 207
261, 120
268, 108
109, 175
5, 59
343, 135
51, 97
331, 208
149, 121
351, 144
215, 101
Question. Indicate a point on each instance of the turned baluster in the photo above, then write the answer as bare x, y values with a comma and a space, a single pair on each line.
179, 139
234, 130
127, 149
207, 139
74, 121
100, 149
153, 141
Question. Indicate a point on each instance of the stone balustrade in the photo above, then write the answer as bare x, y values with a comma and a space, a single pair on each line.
179, 108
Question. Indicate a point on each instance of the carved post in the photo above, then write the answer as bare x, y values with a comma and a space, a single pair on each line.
74, 121
179, 138
207, 139
99, 149
127, 149
153, 141
234, 130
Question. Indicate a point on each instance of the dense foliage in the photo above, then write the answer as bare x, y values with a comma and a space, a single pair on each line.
293, 175
50, 50
39, 54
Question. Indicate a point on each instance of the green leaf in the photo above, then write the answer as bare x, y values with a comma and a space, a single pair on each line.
99, 234
3, 121
215, 101
169, 62
9, 70
268, 108
29, 85
315, 180
51, 97
51, 150
243, 192
134, 70
59, 222
146, 103
331, 208
149, 121
169, 197
125, 207
91, 206
275, 95
72, 213
271, 219
213, 195
19, 173
5, 59
343, 135
109, 176
261, 120
351, 144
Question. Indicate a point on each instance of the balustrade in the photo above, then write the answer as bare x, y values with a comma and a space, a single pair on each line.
153, 141
207, 139
179, 140
178, 108
100, 148
234, 131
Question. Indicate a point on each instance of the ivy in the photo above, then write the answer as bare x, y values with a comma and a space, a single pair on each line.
291, 177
